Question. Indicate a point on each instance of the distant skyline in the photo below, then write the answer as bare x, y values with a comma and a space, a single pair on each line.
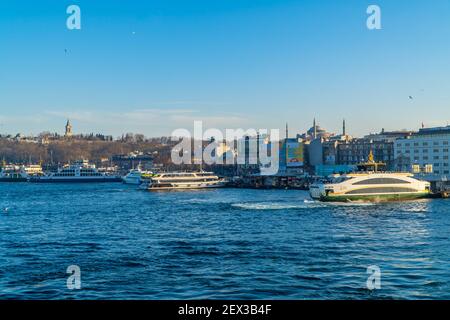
160, 65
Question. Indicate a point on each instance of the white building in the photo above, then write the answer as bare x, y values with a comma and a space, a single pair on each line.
428, 148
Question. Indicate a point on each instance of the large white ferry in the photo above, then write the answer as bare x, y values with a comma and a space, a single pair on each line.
371, 185
79, 171
183, 180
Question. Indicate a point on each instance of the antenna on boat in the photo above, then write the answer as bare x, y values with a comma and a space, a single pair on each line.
372, 161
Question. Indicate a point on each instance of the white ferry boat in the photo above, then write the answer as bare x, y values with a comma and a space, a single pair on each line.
13, 173
79, 171
372, 186
183, 180
136, 176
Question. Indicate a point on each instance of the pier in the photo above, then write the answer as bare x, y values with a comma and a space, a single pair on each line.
440, 184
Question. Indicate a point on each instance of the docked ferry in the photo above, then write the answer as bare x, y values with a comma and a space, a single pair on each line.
369, 184
13, 173
79, 171
183, 180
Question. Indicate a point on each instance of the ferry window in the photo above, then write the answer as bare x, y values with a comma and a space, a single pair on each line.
425, 143
381, 181
381, 190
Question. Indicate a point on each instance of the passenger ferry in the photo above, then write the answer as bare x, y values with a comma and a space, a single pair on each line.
371, 185
136, 176
13, 173
79, 171
183, 180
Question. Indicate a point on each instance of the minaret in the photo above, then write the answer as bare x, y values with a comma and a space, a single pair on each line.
343, 128
68, 133
315, 128
258, 138
286, 146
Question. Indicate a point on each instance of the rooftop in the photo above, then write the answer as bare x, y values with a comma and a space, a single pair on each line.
435, 130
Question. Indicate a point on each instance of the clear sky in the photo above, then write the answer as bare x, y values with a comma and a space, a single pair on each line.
154, 66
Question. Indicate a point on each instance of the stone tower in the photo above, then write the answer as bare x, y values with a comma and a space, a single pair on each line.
68, 133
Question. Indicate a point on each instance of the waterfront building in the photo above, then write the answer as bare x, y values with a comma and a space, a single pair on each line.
358, 150
381, 144
427, 150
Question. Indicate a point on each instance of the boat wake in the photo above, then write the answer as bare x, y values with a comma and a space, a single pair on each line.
305, 204
352, 204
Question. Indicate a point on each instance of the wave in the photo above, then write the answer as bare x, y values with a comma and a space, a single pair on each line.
276, 206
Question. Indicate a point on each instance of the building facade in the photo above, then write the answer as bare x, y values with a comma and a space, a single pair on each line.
358, 150
428, 148
381, 144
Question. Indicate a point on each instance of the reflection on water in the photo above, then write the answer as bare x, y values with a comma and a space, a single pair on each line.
223, 243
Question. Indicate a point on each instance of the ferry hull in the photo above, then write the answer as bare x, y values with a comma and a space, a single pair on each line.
74, 180
376, 197
13, 179
182, 188
135, 181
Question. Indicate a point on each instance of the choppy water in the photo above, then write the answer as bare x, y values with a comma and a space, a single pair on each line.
223, 243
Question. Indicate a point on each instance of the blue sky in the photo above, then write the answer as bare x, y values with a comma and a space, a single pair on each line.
156, 66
